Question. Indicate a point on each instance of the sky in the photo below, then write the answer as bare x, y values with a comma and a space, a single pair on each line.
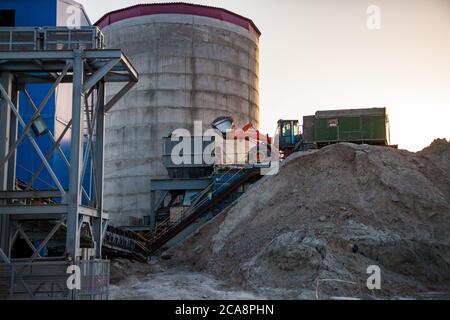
329, 54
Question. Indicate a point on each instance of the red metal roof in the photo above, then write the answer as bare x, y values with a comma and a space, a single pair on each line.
178, 8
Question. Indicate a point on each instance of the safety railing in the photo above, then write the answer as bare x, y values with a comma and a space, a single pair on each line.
49, 280
94, 284
198, 202
50, 38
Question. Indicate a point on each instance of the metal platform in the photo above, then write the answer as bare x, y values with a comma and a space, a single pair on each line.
55, 56
50, 38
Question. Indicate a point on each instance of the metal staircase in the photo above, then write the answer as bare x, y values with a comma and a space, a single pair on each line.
223, 185
219, 194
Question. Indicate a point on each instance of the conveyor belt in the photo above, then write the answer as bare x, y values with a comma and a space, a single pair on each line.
212, 196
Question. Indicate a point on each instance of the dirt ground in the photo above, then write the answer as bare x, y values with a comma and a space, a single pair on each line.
312, 230
139, 281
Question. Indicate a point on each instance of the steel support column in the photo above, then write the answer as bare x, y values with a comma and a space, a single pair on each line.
5, 140
152, 211
13, 132
76, 158
98, 160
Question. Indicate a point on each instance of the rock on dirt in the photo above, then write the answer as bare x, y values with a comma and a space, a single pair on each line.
121, 269
345, 207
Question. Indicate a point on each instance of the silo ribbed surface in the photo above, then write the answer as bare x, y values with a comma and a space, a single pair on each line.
195, 63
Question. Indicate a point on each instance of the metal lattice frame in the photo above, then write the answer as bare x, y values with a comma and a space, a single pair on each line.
87, 68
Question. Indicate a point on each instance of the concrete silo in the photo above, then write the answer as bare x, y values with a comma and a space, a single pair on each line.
195, 63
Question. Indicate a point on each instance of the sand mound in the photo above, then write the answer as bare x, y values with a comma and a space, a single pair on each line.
439, 153
330, 214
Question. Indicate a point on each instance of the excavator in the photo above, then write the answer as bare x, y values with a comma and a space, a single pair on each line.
264, 149
290, 139
261, 148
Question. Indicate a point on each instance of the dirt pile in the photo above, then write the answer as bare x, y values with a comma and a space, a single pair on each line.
314, 228
121, 269
438, 153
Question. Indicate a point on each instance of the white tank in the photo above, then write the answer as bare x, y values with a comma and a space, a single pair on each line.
195, 63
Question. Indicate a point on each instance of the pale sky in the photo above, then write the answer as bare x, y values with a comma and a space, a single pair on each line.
320, 54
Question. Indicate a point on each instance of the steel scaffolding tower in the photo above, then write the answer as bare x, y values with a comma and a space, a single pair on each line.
55, 56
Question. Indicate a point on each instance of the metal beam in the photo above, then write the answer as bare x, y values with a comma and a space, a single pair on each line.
13, 239
22, 61
161, 199
33, 142
5, 142
86, 211
13, 131
32, 194
33, 209
28, 241
90, 146
23, 66
36, 113
58, 55
47, 238
76, 157
179, 184
117, 77
30, 78
130, 67
5, 115
119, 95
35, 217
56, 145
4, 257
99, 163
97, 76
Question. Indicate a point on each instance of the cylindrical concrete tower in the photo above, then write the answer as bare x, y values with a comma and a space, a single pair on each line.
195, 63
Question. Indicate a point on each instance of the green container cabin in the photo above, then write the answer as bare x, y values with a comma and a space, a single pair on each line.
352, 125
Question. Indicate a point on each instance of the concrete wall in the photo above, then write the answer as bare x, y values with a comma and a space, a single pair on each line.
191, 68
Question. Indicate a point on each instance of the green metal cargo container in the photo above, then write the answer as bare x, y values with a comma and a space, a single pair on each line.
351, 125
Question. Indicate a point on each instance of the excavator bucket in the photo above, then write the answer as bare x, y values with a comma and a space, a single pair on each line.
223, 124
